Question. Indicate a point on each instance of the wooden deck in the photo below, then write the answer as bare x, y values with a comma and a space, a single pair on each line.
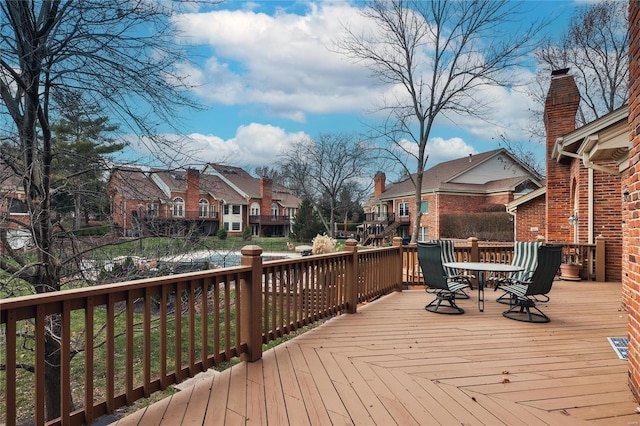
395, 363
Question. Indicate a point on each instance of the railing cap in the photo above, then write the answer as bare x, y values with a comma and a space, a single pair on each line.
251, 250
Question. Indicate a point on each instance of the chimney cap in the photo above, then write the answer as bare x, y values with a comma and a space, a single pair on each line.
561, 71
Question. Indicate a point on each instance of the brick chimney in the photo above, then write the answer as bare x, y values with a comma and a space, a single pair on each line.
191, 204
266, 195
379, 181
560, 110
631, 206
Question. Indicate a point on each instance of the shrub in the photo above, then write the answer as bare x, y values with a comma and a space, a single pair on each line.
246, 234
323, 244
222, 234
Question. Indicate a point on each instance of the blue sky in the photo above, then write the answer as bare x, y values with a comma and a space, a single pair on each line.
267, 77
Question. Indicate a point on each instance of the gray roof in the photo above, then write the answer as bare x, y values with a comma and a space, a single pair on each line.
441, 178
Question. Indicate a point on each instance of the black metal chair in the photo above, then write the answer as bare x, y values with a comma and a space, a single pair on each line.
435, 278
525, 254
448, 254
522, 297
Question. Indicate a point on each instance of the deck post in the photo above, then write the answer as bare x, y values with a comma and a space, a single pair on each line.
351, 283
397, 242
475, 250
251, 303
600, 259
474, 255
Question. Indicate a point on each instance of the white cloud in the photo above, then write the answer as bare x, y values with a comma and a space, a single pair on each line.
283, 62
440, 150
252, 145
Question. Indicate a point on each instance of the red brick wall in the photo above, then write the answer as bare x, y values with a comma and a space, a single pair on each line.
631, 271
266, 192
192, 198
561, 106
530, 220
379, 181
607, 194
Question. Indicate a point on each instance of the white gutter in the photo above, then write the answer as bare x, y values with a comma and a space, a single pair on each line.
590, 208
589, 142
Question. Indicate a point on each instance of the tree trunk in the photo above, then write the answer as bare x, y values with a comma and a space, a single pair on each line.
52, 369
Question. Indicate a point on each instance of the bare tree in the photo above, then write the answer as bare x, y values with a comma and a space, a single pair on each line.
438, 55
120, 55
595, 48
320, 170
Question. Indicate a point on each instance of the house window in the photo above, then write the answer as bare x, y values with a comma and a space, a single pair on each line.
424, 207
225, 226
423, 234
235, 209
403, 209
235, 226
255, 209
17, 206
203, 208
274, 210
226, 209
178, 207
152, 210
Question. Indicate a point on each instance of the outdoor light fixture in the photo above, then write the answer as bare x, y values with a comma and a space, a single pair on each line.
625, 194
573, 219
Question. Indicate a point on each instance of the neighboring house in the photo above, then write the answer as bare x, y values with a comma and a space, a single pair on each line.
163, 202
472, 184
14, 217
583, 196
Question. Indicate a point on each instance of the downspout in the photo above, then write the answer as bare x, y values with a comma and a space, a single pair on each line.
590, 208
513, 212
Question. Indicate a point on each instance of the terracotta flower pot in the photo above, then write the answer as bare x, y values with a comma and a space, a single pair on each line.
570, 272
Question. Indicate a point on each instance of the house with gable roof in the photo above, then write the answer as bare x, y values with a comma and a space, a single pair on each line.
14, 217
586, 169
265, 207
173, 202
473, 184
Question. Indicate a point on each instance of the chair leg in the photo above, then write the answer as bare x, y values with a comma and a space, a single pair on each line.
510, 300
521, 311
437, 307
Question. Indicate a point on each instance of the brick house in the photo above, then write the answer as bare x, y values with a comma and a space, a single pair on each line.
631, 206
476, 183
172, 202
582, 197
14, 218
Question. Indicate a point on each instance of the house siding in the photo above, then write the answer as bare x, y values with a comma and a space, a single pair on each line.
631, 232
530, 220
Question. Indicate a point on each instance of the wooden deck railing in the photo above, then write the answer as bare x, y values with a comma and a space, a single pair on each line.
122, 342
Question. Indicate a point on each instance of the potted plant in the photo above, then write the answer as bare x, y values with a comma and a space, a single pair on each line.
570, 268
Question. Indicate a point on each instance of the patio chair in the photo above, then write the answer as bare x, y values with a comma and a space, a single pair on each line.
449, 255
525, 254
435, 277
522, 297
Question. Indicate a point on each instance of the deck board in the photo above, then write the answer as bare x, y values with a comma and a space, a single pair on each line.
395, 363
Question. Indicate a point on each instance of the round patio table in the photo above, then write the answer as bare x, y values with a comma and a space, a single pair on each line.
481, 268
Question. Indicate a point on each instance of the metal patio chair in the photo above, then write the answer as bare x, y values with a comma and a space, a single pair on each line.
522, 297
435, 277
525, 254
449, 255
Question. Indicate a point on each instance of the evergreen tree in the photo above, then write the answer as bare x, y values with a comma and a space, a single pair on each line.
307, 224
80, 151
